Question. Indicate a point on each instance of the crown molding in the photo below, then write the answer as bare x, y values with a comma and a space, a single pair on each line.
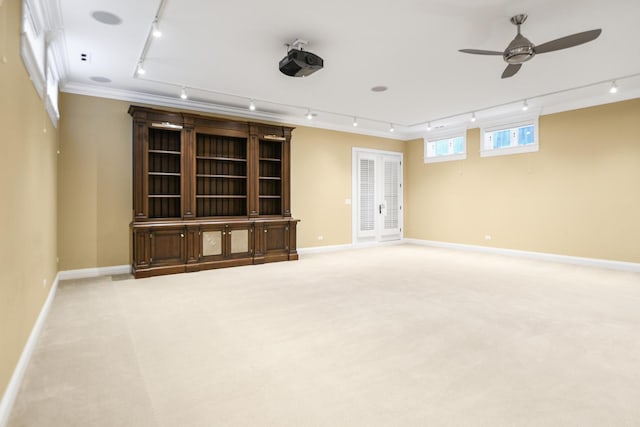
225, 110
544, 108
402, 134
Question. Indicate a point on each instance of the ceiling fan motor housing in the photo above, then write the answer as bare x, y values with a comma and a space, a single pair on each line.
519, 50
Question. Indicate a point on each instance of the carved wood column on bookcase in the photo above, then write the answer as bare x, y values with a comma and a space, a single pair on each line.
286, 173
188, 168
253, 165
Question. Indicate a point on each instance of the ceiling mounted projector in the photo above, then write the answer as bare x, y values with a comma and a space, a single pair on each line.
299, 62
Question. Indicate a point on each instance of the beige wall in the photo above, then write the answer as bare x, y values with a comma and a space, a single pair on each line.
579, 195
94, 182
321, 181
27, 198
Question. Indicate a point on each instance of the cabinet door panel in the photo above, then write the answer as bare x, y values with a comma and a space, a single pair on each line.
211, 243
277, 237
167, 246
239, 241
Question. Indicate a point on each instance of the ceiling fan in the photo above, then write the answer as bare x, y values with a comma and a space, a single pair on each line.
521, 50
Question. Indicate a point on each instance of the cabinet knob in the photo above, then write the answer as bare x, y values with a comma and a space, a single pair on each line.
266, 231
181, 234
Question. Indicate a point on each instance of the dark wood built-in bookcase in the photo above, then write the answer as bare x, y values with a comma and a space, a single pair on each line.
208, 193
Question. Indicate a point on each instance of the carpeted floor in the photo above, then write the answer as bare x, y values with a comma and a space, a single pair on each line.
391, 336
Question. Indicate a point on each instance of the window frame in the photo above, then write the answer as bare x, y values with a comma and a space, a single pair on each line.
52, 88
508, 123
434, 137
33, 44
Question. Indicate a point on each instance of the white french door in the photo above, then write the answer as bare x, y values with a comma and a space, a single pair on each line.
377, 195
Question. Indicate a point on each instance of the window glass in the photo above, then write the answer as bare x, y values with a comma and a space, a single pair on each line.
510, 138
452, 146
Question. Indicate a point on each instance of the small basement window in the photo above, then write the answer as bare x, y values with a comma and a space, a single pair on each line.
512, 137
443, 147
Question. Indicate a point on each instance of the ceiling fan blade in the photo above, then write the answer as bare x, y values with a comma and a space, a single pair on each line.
480, 52
568, 41
511, 70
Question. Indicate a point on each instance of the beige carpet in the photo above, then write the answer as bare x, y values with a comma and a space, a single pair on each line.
391, 336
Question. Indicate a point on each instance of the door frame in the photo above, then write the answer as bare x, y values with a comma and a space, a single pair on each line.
354, 192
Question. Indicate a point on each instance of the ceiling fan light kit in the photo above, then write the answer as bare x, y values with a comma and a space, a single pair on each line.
521, 50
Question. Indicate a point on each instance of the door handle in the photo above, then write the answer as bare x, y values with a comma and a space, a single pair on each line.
379, 209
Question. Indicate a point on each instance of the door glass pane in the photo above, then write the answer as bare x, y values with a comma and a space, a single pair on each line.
211, 243
391, 196
239, 241
367, 194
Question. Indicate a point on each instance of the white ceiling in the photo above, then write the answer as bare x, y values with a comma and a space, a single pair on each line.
227, 52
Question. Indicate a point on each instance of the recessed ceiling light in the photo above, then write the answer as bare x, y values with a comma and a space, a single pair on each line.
106, 17
100, 79
379, 88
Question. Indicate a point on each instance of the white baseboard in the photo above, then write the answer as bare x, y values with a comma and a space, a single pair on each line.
321, 249
348, 246
566, 259
94, 272
10, 394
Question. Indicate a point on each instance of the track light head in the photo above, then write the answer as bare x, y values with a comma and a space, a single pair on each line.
155, 30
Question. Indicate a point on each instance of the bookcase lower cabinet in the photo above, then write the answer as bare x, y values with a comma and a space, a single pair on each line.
225, 245
275, 241
175, 248
159, 250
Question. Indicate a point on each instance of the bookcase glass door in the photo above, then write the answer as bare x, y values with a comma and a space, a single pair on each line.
221, 176
164, 173
270, 175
